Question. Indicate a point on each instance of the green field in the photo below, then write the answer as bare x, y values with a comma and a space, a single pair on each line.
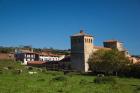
57, 82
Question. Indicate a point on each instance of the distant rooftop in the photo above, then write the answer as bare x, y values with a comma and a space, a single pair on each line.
101, 47
112, 41
24, 51
82, 33
49, 54
35, 62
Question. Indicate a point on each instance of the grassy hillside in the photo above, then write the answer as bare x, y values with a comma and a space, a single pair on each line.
57, 82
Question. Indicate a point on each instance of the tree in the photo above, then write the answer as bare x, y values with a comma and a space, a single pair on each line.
107, 61
6, 49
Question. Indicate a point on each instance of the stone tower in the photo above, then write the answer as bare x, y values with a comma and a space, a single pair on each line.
81, 49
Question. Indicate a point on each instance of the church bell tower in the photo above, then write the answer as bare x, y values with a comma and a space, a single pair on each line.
81, 49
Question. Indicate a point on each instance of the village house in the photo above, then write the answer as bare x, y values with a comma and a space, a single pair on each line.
47, 57
115, 44
25, 56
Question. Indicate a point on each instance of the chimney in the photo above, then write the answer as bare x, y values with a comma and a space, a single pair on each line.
32, 50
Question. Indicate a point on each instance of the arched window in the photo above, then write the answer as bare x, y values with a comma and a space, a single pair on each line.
85, 40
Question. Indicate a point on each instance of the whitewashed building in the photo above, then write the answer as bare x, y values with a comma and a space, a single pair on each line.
25, 56
50, 57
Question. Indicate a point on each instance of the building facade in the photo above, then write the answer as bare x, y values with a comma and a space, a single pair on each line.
115, 44
52, 57
25, 57
81, 49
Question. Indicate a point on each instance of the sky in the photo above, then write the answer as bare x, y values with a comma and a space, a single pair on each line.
50, 23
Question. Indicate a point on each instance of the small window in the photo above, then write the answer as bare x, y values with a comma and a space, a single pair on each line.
90, 40
85, 40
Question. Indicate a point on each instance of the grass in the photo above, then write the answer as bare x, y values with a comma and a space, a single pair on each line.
57, 82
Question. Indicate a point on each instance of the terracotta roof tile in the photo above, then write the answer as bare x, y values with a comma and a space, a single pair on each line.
35, 62
81, 33
111, 41
100, 47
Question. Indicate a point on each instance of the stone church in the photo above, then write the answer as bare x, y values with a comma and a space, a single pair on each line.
82, 47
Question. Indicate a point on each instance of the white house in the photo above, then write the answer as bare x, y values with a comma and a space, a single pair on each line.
50, 57
26, 55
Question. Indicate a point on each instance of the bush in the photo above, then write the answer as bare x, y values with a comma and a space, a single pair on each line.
138, 88
1, 71
135, 70
104, 80
60, 91
72, 74
30, 68
54, 73
10, 67
59, 78
83, 82
41, 80
108, 62
17, 71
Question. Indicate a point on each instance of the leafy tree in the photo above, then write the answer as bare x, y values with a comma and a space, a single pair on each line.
6, 49
135, 70
107, 61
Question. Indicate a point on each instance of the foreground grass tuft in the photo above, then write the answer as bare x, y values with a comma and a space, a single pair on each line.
60, 78
105, 79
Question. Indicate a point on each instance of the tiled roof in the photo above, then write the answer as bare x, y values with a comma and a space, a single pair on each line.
111, 41
100, 47
26, 51
35, 62
49, 54
81, 33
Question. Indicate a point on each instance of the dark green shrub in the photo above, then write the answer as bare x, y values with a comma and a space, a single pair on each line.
1, 71
138, 88
10, 67
54, 73
30, 68
59, 78
66, 72
17, 72
41, 79
43, 70
104, 80
60, 91
83, 82
72, 74
135, 70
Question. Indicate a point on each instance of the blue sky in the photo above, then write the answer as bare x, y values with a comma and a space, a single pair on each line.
49, 23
